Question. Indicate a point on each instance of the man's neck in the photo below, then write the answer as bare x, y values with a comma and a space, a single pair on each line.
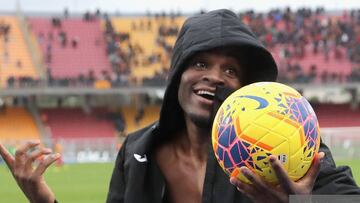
195, 141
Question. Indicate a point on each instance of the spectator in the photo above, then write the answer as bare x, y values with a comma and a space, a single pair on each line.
74, 42
313, 72
2, 106
139, 115
63, 38
66, 13
19, 64
11, 82
56, 22
91, 78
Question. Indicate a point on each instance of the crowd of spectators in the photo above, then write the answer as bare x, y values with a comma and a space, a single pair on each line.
165, 30
56, 35
293, 35
305, 32
124, 53
119, 58
4, 36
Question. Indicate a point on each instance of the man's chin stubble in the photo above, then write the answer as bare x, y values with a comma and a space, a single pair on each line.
201, 121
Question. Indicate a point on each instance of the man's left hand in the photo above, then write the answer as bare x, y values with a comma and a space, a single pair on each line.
260, 191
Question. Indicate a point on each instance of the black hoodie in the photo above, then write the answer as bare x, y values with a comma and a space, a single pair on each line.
136, 177
216, 29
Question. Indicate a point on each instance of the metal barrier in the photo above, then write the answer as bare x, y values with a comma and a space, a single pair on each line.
81, 150
343, 142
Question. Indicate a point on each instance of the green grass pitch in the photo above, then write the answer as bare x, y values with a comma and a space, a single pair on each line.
72, 183
86, 183
355, 167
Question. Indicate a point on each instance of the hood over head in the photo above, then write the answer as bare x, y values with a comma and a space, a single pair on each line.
215, 29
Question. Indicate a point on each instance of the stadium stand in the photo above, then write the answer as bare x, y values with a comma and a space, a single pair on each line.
309, 46
151, 38
151, 114
137, 118
15, 59
75, 123
71, 47
129, 113
17, 125
337, 115
324, 69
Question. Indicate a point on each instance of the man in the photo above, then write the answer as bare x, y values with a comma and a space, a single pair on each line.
172, 160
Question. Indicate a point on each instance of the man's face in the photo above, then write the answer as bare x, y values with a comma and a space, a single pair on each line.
205, 71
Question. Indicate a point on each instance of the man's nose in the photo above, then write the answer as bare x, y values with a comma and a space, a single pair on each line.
214, 75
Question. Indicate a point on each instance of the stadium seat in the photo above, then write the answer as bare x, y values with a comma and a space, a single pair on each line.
17, 125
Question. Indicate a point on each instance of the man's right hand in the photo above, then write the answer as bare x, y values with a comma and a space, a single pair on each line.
29, 179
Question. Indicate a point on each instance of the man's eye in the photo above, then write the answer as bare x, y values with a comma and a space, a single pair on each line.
231, 71
199, 65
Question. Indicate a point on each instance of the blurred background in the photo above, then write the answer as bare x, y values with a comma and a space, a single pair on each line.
79, 75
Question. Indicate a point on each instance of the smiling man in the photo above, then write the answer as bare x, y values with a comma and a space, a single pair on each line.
204, 72
172, 160
183, 158
212, 50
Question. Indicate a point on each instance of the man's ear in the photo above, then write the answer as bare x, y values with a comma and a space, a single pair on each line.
221, 93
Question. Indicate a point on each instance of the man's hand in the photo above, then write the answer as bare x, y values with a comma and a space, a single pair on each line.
260, 191
30, 179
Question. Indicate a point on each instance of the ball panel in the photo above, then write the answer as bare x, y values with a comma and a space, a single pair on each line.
282, 152
227, 135
300, 170
296, 159
285, 128
268, 120
296, 142
269, 175
256, 131
237, 173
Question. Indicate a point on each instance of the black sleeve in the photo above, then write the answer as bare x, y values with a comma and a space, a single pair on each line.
117, 183
332, 179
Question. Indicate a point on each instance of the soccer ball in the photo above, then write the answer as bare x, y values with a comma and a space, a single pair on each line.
263, 119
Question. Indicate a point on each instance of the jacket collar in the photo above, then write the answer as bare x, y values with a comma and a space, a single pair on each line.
147, 140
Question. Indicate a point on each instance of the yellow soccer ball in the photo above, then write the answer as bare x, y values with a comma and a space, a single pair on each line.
263, 119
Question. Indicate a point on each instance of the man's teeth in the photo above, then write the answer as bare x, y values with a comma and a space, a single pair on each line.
204, 92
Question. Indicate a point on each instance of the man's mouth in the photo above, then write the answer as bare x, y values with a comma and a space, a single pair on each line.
206, 94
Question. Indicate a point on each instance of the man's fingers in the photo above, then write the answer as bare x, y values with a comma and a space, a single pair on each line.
24, 148
34, 155
244, 188
8, 158
44, 164
256, 181
314, 169
22, 151
284, 180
